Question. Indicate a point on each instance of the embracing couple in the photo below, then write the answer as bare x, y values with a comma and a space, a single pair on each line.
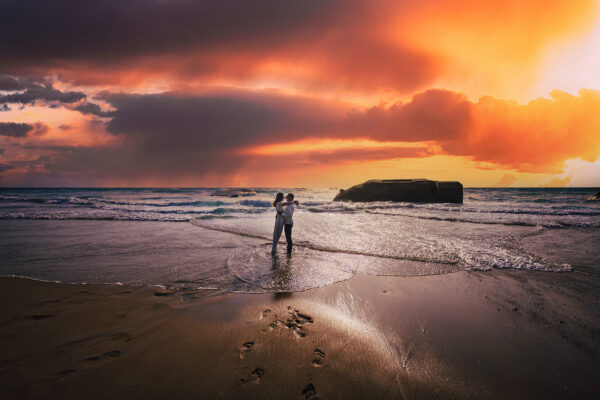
283, 219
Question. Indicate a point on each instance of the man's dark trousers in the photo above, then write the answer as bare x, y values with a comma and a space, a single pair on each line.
288, 236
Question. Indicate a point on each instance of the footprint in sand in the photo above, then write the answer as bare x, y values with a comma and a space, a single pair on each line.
164, 294
243, 381
296, 321
299, 333
245, 348
270, 327
49, 301
258, 373
319, 356
67, 372
309, 392
265, 313
38, 317
90, 362
104, 357
303, 318
96, 341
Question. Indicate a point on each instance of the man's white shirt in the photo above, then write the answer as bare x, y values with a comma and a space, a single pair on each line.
288, 213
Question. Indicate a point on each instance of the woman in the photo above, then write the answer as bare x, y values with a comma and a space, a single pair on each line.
279, 220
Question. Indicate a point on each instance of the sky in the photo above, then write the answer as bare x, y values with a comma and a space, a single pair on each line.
317, 93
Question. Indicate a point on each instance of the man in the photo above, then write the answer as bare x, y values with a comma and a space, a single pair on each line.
288, 213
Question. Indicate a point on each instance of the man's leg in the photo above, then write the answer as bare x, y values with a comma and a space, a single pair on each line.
288, 237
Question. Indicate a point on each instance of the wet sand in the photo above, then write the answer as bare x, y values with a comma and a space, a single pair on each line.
497, 334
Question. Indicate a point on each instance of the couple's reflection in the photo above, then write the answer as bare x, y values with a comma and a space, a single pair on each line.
282, 275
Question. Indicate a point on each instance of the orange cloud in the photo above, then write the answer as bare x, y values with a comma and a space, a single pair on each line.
536, 137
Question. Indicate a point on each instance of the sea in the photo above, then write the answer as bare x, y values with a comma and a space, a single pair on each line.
201, 238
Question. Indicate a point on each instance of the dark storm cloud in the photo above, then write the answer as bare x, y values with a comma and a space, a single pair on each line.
11, 84
234, 119
19, 129
91, 108
29, 163
19, 83
42, 31
15, 129
5, 167
332, 42
435, 114
170, 134
42, 93
226, 120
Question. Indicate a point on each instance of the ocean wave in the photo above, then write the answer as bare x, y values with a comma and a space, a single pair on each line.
198, 203
47, 200
256, 203
96, 201
464, 259
550, 212
125, 214
329, 249
228, 210
545, 224
170, 190
92, 200
62, 217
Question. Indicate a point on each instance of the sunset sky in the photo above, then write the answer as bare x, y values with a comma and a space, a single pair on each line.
299, 93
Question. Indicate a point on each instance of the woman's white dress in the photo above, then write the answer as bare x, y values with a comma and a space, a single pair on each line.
279, 221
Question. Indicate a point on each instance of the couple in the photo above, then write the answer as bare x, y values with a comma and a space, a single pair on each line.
283, 219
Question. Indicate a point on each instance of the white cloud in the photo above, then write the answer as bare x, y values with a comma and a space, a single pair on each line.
583, 173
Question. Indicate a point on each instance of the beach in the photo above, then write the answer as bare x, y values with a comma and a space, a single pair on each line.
498, 334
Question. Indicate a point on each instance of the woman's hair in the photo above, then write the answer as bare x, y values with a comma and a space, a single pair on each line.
278, 198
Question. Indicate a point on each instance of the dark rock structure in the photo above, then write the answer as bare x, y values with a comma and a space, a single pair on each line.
409, 190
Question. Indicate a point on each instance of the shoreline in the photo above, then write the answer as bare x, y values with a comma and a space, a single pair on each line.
492, 334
